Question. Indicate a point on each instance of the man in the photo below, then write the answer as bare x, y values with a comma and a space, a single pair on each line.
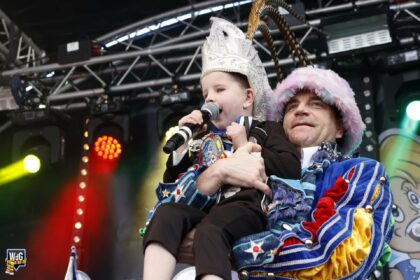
350, 222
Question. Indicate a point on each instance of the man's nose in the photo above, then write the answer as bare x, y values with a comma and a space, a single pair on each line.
302, 109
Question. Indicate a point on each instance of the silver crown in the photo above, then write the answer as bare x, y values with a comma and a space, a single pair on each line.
227, 49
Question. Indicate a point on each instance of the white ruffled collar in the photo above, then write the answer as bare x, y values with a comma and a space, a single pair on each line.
306, 155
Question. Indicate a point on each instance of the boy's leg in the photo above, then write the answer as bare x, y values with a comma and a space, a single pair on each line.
154, 256
217, 232
164, 234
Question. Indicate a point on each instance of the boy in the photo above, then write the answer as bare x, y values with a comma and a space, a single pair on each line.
233, 77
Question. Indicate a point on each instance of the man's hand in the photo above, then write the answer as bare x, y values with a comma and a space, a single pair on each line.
242, 169
246, 169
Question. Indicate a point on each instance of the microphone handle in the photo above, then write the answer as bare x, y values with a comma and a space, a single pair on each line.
185, 133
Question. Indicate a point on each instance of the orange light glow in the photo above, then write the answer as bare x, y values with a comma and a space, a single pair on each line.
107, 147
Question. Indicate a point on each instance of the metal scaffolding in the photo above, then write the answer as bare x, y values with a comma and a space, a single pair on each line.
147, 57
16, 49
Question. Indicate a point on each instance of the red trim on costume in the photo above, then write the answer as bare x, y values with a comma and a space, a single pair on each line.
324, 209
351, 173
288, 242
338, 190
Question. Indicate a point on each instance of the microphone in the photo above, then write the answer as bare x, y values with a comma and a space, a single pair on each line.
210, 111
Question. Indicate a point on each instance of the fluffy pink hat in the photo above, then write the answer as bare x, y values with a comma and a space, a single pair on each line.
333, 90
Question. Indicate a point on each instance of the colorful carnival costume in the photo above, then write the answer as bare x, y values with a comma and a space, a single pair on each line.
350, 223
345, 235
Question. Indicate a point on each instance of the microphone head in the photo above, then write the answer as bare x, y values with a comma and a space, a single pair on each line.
212, 108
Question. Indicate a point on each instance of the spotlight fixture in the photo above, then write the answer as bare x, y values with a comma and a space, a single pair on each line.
107, 147
32, 163
46, 142
413, 110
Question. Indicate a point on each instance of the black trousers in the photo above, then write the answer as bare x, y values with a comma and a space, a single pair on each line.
216, 230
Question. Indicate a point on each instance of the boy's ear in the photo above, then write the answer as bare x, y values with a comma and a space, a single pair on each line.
249, 100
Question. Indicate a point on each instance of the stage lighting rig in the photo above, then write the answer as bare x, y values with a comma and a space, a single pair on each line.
403, 58
176, 95
356, 31
105, 105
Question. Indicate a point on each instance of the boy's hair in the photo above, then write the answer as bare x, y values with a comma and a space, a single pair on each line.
241, 79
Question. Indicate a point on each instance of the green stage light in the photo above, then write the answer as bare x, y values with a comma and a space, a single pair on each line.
32, 163
413, 110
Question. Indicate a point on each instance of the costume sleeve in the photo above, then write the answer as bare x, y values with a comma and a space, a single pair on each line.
281, 157
183, 191
172, 172
343, 238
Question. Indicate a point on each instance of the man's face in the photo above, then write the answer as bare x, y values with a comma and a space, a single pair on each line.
308, 121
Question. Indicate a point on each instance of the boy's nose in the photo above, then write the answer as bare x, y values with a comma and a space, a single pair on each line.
209, 98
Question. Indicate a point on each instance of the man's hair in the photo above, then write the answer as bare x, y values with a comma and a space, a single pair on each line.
339, 120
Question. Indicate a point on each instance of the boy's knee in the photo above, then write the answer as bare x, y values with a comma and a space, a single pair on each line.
208, 231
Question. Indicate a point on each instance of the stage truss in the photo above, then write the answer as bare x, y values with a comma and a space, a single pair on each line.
157, 55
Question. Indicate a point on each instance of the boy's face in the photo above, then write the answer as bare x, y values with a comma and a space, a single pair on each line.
232, 98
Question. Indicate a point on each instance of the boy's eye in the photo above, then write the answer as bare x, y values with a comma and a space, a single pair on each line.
220, 89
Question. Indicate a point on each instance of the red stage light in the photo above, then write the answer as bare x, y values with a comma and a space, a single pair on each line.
107, 147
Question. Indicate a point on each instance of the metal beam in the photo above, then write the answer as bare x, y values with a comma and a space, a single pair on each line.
138, 70
18, 50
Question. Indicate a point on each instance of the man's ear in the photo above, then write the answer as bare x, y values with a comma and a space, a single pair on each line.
249, 99
340, 129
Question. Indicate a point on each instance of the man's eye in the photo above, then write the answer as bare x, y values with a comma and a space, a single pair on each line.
317, 104
290, 107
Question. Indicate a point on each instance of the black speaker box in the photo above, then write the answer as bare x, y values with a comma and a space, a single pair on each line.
74, 52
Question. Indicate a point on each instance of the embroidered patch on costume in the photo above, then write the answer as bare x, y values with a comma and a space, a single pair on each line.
211, 149
255, 249
165, 193
178, 193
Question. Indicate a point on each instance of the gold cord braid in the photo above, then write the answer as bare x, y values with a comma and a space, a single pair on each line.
262, 27
262, 8
295, 48
286, 6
